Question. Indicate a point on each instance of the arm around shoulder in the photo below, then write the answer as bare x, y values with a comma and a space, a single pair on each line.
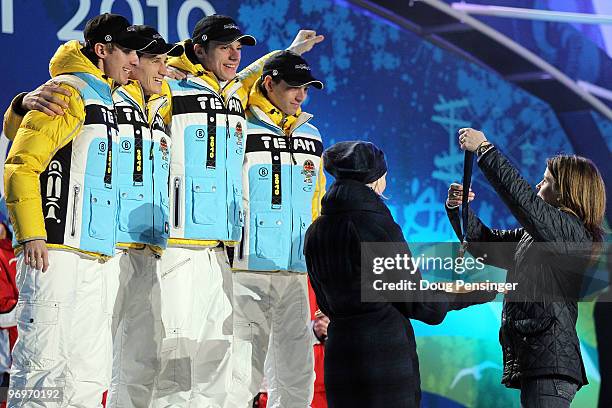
38, 139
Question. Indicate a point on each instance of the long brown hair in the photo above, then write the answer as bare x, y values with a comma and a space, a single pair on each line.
581, 190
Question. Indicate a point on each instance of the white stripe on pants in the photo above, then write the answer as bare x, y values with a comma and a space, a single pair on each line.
272, 332
137, 329
64, 326
197, 314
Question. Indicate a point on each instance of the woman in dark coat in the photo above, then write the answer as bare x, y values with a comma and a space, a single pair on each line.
370, 352
546, 257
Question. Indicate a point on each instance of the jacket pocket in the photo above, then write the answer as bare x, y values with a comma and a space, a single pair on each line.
305, 221
134, 210
236, 207
534, 340
268, 239
38, 346
165, 216
102, 213
176, 197
532, 327
242, 348
204, 202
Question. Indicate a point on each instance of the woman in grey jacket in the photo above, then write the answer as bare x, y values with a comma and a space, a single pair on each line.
560, 233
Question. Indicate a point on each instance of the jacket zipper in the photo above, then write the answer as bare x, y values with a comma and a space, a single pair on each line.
152, 156
75, 200
155, 198
177, 192
227, 139
282, 126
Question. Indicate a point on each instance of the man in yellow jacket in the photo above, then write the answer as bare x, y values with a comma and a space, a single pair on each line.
60, 181
143, 114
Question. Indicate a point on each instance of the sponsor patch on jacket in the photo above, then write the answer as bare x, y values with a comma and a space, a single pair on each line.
308, 171
163, 147
238, 133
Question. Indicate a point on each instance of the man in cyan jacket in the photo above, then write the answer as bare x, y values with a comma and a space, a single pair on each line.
282, 185
208, 132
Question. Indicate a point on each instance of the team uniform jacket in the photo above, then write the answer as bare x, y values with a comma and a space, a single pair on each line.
282, 184
144, 166
143, 163
208, 130
60, 175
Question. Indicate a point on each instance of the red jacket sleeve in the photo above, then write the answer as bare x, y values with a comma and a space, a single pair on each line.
8, 286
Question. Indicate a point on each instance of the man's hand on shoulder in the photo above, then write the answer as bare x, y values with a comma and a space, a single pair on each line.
46, 99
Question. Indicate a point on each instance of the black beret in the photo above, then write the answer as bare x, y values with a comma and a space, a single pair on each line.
356, 160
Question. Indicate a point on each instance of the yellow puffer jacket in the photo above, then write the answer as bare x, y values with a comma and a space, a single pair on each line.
37, 138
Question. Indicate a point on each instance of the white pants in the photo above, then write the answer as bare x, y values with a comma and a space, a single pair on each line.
272, 333
64, 325
196, 286
137, 329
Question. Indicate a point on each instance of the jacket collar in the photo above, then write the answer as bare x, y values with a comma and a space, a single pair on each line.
69, 59
350, 195
197, 74
134, 94
264, 110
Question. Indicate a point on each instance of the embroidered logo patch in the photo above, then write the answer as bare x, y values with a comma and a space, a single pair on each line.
163, 147
238, 133
308, 170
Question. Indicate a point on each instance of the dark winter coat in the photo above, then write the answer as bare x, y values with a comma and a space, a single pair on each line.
547, 257
370, 353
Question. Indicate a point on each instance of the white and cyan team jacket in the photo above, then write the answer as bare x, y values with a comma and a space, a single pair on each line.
205, 171
280, 174
143, 168
78, 186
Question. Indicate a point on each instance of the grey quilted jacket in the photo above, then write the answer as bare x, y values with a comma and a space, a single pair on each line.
547, 257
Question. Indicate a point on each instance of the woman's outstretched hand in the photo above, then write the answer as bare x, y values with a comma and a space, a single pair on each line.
455, 194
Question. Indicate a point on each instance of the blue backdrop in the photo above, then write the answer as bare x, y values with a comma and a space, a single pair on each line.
382, 84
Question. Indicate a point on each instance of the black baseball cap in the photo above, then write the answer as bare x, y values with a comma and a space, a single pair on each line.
113, 28
291, 68
220, 28
157, 44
